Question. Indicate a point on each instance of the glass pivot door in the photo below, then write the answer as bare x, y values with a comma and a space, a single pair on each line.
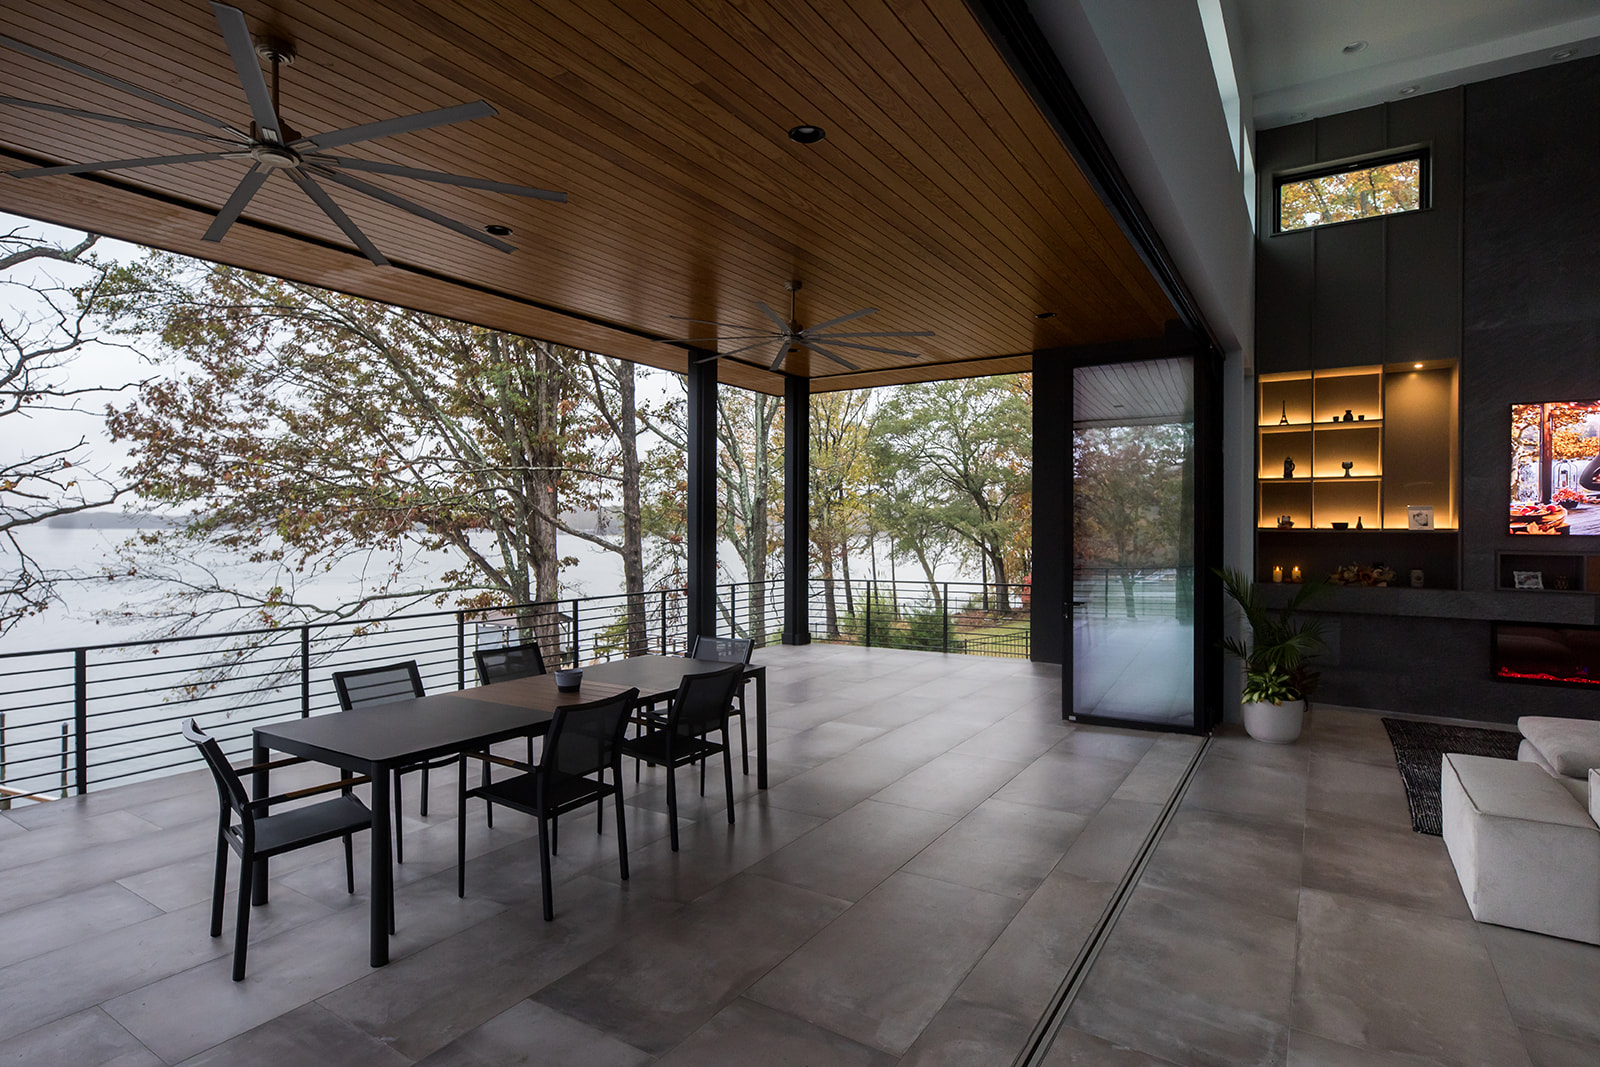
1131, 643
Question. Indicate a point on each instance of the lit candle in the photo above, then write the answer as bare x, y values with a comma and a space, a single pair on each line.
1277, 573
1294, 575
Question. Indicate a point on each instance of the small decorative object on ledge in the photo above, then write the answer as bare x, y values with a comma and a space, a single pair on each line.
1528, 579
1356, 574
1358, 522
1348, 417
1285, 420
1277, 572
1294, 573
1347, 464
1285, 522
1416, 579
1288, 466
1419, 516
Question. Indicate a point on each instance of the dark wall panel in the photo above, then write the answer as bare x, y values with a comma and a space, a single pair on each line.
1347, 317
1423, 250
1052, 459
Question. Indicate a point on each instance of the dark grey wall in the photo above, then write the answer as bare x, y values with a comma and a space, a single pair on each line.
1503, 272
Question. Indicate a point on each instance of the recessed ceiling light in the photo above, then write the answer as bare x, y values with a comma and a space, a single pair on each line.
1417, 365
1045, 315
1355, 46
1565, 53
495, 229
807, 134
1408, 90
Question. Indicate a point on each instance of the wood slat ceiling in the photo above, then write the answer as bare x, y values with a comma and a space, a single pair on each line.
941, 196
1147, 393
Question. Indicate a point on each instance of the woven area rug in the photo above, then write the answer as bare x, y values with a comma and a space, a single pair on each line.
1418, 751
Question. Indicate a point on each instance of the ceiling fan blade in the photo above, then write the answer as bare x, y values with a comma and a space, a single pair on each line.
773, 315
416, 209
445, 179
422, 120
841, 318
884, 333
863, 348
236, 203
765, 340
708, 322
115, 83
822, 350
783, 353
117, 164
139, 124
692, 340
320, 197
242, 47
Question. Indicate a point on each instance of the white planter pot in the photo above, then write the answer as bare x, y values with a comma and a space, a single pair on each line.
1276, 724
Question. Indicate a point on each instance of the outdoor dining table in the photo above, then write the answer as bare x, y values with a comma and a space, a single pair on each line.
378, 738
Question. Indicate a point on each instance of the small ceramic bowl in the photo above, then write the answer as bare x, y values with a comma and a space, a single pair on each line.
567, 681
1340, 525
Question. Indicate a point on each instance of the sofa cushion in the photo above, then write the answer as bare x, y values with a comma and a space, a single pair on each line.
1571, 746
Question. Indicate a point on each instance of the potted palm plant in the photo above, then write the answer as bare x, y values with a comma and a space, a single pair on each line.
1277, 675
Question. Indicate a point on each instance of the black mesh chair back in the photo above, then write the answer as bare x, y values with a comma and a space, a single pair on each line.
504, 664
378, 685
585, 739
726, 649
701, 706
385, 685
230, 790
257, 836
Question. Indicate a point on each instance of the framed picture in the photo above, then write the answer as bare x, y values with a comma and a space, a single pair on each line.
1419, 516
1528, 579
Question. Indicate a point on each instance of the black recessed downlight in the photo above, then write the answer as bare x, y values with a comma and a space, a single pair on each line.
495, 229
807, 134
1045, 315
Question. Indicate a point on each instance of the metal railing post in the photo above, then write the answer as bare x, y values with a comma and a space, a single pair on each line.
80, 715
946, 614
663, 622
305, 671
869, 614
64, 765
576, 647
461, 650
5, 798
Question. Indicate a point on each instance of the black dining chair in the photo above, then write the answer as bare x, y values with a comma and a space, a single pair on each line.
257, 837
504, 664
700, 707
385, 685
581, 745
729, 650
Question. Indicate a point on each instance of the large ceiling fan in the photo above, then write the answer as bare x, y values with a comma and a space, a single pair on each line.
790, 336
270, 146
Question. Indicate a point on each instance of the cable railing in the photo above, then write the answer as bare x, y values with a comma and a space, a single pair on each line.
1111, 593
965, 618
83, 718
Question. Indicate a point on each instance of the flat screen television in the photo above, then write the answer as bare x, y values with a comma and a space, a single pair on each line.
1555, 468
1552, 655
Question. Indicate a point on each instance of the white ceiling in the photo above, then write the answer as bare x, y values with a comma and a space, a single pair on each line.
1294, 60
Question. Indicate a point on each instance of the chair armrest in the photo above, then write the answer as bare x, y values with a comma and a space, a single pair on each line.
310, 791
490, 757
270, 764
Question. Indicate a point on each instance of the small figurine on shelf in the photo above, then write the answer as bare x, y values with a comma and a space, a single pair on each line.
1358, 522
1347, 464
1348, 417
1288, 466
1285, 420
1285, 522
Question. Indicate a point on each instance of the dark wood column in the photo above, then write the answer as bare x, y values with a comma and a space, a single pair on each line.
796, 508
702, 518
1052, 475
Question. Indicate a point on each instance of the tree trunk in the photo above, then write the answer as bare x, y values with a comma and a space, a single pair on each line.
632, 526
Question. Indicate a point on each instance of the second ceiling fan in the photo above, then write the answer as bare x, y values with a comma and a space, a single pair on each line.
790, 336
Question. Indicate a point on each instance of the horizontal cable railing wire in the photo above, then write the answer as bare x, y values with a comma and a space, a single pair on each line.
967, 618
1104, 593
96, 715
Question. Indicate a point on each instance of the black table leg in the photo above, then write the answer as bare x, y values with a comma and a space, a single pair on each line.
761, 729
382, 873
260, 786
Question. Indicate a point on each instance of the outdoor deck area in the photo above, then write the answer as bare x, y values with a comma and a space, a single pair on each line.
936, 847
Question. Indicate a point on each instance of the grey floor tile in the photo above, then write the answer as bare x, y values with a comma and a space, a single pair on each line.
1309, 1050
953, 783
68, 920
1358, 790
851, 977
1108, 743
1396, 980
963, 1033
1192, 979
1074, 1048
1349, 735
1017, 737
1242, 785
1552, 985
822, 742
307, 1036
1001, 848
90, 1038
1233, 858
1394, 866
1548, 1050
653, 990
850, 854
527, 1034
1106, 847
746, 1032
1076, 782
1159, 770
838, 785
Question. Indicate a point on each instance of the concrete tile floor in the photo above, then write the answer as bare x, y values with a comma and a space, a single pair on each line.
924, 870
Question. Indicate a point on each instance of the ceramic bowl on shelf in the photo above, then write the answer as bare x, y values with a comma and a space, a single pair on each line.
1340, 525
